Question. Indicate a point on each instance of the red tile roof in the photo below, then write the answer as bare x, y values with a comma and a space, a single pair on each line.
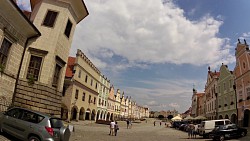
70, 67
200, 94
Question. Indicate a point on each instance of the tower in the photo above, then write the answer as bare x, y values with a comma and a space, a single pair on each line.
42, 74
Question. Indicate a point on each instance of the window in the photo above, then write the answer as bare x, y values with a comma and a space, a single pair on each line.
240, 95
15, 113
90, 99
248, 91
34, 67
56, 123
31, 117
94, 100
244, 65
56, 75
68, 29
96, 85
91, 83
50, 18
64, 91
79, 74
4, 51
83, 97
86, 78
76, 94
99, 101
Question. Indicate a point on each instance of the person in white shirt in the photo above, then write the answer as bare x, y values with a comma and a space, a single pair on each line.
112, 128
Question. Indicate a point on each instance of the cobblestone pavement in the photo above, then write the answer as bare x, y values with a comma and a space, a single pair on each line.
86, 130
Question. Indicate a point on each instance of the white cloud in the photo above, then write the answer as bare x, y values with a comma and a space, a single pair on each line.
174, 105
147, 32
163, 94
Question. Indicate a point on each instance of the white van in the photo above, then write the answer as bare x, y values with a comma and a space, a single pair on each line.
207, 126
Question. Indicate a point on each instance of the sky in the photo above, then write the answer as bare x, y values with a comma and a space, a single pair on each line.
156, 51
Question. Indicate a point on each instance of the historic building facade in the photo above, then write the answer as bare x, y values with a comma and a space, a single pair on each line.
103, 98
40, 78
242, 82
111, 103
16, 32
226, 95
211, 94
81, 88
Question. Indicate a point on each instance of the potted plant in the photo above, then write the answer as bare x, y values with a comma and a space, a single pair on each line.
232, 102
31, 80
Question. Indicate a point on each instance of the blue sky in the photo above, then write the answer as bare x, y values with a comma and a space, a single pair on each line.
156, 50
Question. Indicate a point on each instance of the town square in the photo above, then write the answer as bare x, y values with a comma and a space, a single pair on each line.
139, 132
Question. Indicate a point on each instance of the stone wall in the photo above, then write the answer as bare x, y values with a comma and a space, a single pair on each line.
38, 97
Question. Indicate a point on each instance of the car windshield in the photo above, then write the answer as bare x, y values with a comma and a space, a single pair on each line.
56, 123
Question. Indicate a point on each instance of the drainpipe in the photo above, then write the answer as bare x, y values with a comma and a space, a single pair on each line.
20, 66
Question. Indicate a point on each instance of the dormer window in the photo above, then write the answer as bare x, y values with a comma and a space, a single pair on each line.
50, 18
244, 65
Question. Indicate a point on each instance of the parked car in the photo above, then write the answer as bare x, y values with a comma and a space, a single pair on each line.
29, 125
177, 124
206, 127
227, 132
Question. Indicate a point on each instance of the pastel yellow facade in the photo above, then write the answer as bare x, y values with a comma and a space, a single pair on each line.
81, 89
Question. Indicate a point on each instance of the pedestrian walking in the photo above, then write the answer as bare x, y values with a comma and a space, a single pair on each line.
116, 128
190, 130
154, 123
112, 128
127, 123
195, 130
160, 123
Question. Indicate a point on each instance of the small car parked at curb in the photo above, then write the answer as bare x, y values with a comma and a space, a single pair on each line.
29, 125
227, 132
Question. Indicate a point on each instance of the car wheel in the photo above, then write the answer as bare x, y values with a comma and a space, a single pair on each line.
243, 134
34, 138
222, 137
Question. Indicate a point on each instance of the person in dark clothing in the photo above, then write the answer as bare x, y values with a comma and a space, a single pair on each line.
116, 128
127, 124
154, 123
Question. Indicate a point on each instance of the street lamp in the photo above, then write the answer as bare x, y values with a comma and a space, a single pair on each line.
234, 87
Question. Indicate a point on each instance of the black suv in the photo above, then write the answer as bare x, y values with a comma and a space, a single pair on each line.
227, 132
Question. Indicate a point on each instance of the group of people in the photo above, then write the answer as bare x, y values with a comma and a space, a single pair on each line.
192, 130
113, 128
160, 123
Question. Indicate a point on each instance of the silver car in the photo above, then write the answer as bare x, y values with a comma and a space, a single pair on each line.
29, 125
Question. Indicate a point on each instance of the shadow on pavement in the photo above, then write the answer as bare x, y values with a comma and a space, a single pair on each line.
9, 137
